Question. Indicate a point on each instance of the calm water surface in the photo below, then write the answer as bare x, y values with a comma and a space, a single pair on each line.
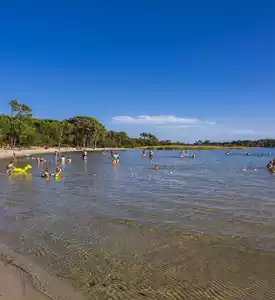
195, 229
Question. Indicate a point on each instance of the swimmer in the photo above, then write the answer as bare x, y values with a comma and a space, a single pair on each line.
62, 159
69, 160
151, 154
9, 167
193, 155
42, 160
46, 173
156, 167
143, 153
56, 153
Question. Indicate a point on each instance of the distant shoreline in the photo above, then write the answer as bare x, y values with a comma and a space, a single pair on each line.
8, 153
194, 147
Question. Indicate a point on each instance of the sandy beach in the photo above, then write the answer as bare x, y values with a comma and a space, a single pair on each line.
6, 153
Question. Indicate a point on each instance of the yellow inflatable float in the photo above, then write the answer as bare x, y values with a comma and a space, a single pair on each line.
20, 170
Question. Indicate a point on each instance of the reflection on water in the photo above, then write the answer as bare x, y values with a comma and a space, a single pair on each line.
195, 229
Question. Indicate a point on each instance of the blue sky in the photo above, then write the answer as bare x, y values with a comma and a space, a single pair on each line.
184, 70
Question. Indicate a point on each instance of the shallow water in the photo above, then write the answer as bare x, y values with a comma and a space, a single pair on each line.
195, 229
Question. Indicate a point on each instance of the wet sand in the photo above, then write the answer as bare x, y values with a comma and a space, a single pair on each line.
15, 284
20, 279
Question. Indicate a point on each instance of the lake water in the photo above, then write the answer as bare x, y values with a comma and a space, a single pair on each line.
195, 229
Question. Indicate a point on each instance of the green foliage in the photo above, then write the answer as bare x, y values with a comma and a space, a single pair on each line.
21, 129
20, 109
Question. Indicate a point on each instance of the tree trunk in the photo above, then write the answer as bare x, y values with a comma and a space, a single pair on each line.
95, 143
14, 143
60, 138
84, 141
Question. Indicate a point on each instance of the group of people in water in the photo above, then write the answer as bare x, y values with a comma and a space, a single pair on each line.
271, 164
229, 153
150, 154
183, 154
59, 160
46, 174
62, 160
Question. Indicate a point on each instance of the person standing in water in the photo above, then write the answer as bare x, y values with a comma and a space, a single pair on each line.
10, 167
62, 159
115, 158
151, 154
84, 155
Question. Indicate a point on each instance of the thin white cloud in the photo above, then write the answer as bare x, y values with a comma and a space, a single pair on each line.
158, 120
247, 132
185, 126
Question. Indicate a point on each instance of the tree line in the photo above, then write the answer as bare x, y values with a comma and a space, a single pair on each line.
21, 129
262, 143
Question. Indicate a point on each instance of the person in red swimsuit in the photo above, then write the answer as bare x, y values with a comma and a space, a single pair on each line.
58, 171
